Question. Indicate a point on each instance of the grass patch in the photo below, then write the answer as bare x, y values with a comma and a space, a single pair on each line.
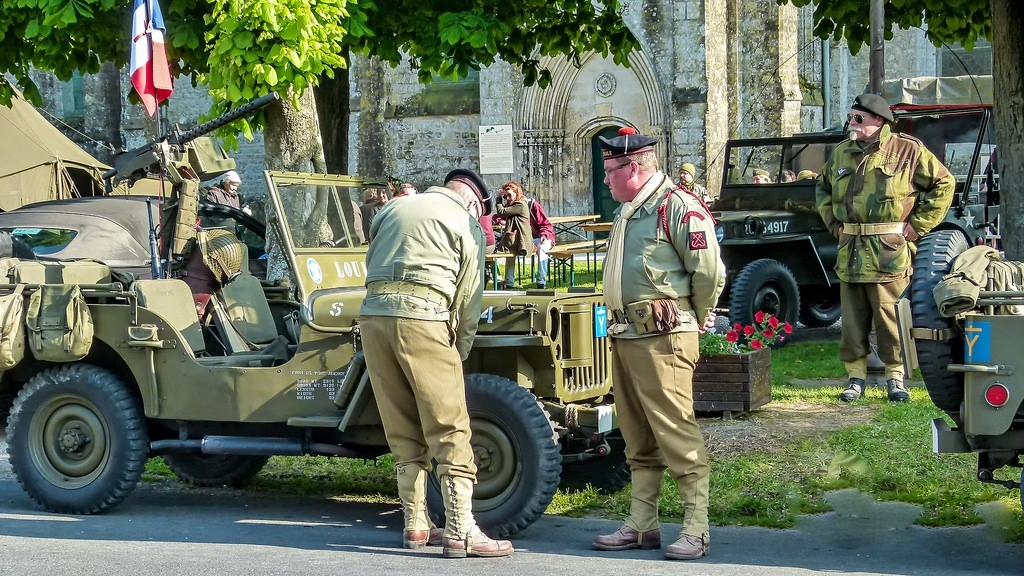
888, 456
806, 361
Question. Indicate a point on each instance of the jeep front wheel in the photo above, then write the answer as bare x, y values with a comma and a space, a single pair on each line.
517, 458
77, 439
208, 470
767, 286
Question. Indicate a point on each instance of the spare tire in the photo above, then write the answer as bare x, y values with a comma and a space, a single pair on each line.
935, 255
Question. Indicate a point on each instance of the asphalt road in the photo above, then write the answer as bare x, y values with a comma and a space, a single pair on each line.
168, 529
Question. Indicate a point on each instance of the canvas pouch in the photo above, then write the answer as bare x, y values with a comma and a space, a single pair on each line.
60, 327
12, 327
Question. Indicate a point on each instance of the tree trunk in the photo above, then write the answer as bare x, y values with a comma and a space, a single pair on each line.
293, 143
332, 103
1008, 88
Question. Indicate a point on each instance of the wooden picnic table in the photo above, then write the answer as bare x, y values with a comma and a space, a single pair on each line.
596, 227
571, 224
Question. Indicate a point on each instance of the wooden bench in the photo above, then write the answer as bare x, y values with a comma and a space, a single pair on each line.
563, 255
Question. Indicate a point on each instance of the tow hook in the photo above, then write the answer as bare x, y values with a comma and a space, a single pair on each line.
986, 475
602, 449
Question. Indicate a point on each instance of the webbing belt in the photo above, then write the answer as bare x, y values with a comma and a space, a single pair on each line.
855, 229
407, 288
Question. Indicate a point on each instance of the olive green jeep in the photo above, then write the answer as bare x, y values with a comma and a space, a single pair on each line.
276, 368
967, 357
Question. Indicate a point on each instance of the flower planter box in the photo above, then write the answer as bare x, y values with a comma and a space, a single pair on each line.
730, 383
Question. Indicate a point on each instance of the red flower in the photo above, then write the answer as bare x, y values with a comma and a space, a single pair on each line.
787, 328
737, 327
759, 316
773, 322
756, 344
768, 334
732, 335
748, 330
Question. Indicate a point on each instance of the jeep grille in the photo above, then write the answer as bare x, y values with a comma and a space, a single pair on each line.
582, 359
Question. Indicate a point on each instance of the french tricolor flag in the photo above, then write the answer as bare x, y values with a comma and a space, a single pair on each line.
150, 72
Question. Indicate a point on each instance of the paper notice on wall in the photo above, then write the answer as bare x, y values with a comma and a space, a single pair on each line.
496, 149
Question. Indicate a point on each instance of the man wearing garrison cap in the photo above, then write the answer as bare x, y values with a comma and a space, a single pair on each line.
878, 193
663, 274
424, 274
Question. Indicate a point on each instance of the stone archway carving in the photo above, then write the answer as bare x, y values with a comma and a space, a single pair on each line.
555, 125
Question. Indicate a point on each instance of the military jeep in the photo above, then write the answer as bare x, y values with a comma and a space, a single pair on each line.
779, 256
967, 361
276, 368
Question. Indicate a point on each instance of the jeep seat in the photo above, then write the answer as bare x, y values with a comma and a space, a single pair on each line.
171, 299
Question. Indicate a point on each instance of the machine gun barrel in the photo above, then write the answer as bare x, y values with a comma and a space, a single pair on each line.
227, 118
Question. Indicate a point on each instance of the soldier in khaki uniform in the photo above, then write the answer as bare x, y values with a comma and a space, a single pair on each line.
878, 193
423, 299
662, 276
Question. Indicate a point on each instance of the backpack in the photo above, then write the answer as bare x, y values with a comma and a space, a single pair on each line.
59, 323
12, 327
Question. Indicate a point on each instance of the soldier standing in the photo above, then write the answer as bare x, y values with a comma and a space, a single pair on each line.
878, 193
662, 276
418, 321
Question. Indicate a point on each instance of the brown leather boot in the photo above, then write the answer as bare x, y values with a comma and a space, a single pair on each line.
417, 539
476, 544
687, 548
625, 538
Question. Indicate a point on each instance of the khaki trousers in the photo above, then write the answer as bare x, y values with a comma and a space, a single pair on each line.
865, 304
416, 375
654, 400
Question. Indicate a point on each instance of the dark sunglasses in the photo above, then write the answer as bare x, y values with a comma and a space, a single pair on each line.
858, 117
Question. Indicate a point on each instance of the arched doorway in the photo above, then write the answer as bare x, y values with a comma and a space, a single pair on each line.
603, 202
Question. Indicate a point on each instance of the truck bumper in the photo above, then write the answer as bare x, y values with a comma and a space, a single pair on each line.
946, 440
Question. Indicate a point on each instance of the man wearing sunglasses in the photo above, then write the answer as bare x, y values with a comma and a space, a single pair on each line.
878, 193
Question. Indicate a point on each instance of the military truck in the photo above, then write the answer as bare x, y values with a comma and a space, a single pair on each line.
967, 361
780, 257
276, 368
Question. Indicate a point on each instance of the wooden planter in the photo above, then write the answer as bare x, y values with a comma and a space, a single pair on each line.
730, 383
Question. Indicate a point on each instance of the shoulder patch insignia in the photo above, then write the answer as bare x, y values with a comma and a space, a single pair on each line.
686, 217
698, 240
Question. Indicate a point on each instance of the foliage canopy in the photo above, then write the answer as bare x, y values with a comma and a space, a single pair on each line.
948, 21
243, 49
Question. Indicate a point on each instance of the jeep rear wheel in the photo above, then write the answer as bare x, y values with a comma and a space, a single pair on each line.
935, 255
208, 470
517, 458
767, 286
819, 306
606, 474
77, 439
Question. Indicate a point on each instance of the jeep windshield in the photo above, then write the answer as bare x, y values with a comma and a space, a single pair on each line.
963, 137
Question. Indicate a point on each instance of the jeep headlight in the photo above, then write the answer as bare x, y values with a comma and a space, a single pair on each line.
719, 232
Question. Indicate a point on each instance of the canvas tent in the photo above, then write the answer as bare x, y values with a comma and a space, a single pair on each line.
38, 162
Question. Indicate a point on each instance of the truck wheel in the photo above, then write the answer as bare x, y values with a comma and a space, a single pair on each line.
764, 285
819, 306
935, 255
77, 439
518, 461
208, 470
606, 474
